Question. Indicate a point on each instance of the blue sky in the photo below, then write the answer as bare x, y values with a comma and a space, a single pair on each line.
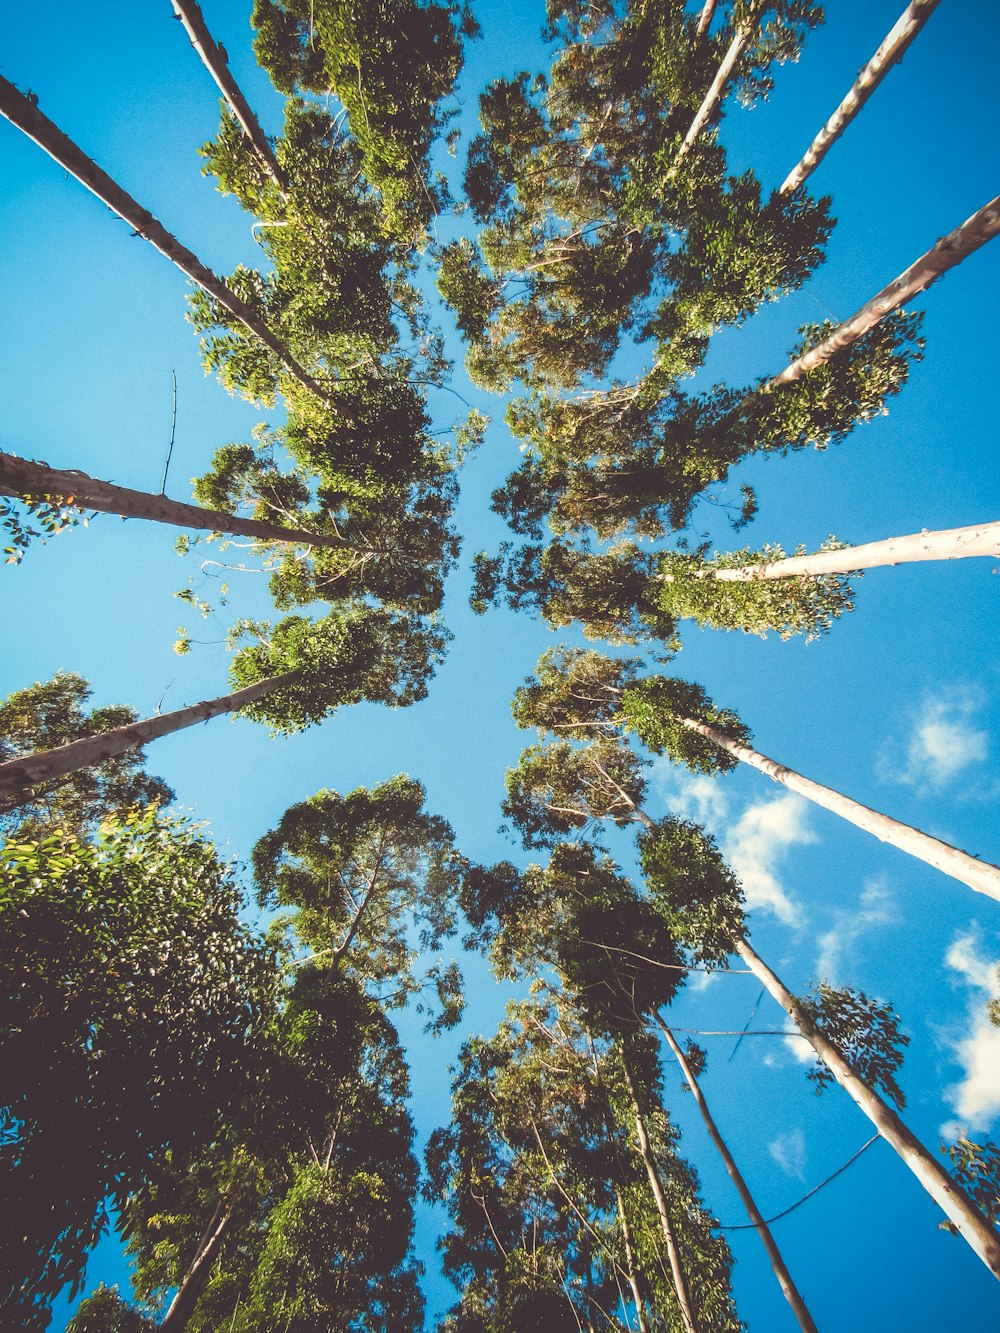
899, 706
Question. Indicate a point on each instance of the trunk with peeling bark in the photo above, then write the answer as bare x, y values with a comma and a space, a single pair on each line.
656, 1185
958, 1207
891, 52
713, 98
200, 1270
20, 776
215, 60
28, 480
978, 875
945, 254
980, 539
774, 1254
23, 113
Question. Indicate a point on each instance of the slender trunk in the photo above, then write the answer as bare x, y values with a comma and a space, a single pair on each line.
656, 1185
945, 254
713, 97
705, 18
892, 50
633, 1280
20, 776
982, 539
959, 1208
978, 875
21, 112
196, 1278
777, 1262
28, 480
348, 940
216, 61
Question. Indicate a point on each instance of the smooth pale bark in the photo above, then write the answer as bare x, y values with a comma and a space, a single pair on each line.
713, 97
19, 776
756, 1216
892, 50
955, 1203
633, 1280
705, 17
978, 875
215, 60
945, 254
981, 539
28, 480
667, 1226
196, 1278
27, 117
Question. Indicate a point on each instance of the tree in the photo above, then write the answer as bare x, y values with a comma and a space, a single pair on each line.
132, 996
50, 714
897, 42
23, 113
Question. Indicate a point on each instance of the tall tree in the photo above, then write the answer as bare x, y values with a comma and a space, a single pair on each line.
895, 45
24, 113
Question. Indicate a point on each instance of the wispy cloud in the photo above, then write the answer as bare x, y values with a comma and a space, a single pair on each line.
944, 739
755, 846
789, 1151
975, 1099
838, 945
754, 842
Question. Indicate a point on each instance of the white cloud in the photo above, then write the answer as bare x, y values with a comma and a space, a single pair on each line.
789, 1151
800, 1048
944, 740
838, 945
975, 1099
698, 796
754, 846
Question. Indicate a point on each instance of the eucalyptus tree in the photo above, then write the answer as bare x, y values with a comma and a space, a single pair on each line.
584, 692
133, 999
290, 676
562, 786
390, 66
53, 713
891, 51
23, 112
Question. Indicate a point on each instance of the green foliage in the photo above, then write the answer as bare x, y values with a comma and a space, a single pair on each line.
106, 1312
18, 515
693, 888
976, 1168
686, 586
655, 709
558, 788
575, 690
131, 999
865, 1032
52, 713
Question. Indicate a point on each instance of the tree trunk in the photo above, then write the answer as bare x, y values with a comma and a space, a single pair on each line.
959, 1208
777, 1262
945, 254
656, 1185
216, 61
982, 539
196, 1278
705, 18
633, 1280
28, 480
26, 116
713, 97
19, 776
979, 875
892, 50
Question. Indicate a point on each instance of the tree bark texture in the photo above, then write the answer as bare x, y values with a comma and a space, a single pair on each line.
713, 98
656, 1185
28, 480
196, 1278
792, 1295
981, 539
215, 60
945, 254
19, 776
978, 875
955, 1203
890, 53
705, 17
23, 113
